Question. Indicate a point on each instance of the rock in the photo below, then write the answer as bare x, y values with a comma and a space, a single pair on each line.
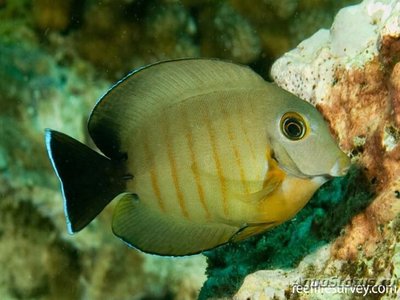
277, 284
351, 74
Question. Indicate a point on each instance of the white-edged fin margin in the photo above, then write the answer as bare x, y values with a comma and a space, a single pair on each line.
50, 154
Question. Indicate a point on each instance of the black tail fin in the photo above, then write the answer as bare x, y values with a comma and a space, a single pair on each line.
89, 181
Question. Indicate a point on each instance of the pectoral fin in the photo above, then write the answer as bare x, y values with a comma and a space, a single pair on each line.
270, 185
272, 182
158, 233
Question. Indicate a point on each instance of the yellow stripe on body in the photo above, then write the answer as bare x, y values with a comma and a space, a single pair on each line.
153, 174
232, 140
254, 147
246, 136
194, 164
174, 172
217, 160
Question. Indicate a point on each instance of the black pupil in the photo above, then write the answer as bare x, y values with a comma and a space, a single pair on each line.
293, 128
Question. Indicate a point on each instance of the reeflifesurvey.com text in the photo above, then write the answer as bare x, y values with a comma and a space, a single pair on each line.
336, 285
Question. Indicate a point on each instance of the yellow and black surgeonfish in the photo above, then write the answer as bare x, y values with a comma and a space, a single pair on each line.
198, 153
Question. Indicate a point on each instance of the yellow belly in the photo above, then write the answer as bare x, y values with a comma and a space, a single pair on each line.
291, 197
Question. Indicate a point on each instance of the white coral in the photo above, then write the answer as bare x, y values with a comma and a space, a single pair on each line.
354, 39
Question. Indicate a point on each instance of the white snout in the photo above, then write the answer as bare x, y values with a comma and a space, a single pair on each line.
341, 166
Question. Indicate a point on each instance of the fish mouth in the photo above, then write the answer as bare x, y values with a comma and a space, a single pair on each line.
339, 168
279, 154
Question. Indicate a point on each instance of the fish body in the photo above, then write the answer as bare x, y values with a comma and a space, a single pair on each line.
195, 165
197, 153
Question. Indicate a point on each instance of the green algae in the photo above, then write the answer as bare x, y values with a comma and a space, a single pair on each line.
322, 220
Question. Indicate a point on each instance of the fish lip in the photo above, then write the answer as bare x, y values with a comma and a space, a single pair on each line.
340, 167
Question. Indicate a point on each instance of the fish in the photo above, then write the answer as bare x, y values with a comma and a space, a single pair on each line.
196, 153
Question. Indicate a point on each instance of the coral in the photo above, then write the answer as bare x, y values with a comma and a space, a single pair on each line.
227, 34
52, 15
109, 47
44, 253
141, 33
351, 74
313, 15
283, 24
126, 34
172, 32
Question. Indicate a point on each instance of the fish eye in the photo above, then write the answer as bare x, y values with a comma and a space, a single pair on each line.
293, 126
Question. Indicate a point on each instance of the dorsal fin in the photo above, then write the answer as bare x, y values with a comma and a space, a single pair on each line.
151, 89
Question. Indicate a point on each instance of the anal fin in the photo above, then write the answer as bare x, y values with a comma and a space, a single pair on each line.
252, 230
155, 232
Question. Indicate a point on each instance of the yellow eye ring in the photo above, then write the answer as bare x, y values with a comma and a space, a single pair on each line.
293, 126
